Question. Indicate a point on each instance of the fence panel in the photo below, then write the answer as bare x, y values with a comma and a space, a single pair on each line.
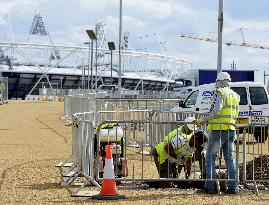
141, 165
255, 153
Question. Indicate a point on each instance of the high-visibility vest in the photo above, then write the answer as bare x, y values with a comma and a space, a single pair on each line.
2, 87
229, 111
182, 150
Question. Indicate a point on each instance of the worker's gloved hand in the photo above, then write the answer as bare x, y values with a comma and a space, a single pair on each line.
198, 122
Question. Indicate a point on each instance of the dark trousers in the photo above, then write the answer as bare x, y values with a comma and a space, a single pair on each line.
169, 169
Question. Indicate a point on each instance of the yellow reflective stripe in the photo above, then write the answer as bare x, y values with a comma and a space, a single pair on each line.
226, 116
235, 107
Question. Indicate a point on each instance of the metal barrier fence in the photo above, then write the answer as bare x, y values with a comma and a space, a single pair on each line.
140, 161
255, 155
81, 161
82, 158
144, 129
125, 93
92, 102
139, 103
3, 90
77, 104
145, 125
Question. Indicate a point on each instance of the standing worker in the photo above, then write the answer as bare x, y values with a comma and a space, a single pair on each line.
224, 109
2, 88
176, 151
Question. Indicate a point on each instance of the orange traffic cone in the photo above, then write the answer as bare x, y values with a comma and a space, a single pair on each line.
108, 189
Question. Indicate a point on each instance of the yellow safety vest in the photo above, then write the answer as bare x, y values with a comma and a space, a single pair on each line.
229, 111
168, 138
2, 87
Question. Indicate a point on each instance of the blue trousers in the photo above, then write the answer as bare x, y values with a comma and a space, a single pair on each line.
220, 139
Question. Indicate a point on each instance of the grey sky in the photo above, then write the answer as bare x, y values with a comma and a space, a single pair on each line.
67, 20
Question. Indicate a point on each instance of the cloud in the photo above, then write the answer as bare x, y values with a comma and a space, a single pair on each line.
152, 9
21, 6
18, 7
67, 21
183, 10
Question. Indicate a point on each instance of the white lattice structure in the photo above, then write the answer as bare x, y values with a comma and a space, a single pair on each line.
142, 63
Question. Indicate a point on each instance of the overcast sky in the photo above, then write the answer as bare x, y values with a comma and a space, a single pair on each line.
159, 20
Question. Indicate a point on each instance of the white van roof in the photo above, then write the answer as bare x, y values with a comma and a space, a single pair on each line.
233, 84
246, 84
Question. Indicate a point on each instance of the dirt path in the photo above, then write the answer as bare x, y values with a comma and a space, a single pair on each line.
33, 140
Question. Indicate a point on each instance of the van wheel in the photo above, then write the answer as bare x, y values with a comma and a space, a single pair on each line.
261, 134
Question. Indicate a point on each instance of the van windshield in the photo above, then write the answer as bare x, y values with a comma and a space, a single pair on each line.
241, 91
258, 96
191, 100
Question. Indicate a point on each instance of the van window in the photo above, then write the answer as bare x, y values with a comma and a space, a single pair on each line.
243, 94
258, 96
191, 100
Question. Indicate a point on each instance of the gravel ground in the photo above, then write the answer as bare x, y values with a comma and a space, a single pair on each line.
33, 140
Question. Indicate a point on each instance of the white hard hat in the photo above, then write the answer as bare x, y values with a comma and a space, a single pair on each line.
190, 120
223, 76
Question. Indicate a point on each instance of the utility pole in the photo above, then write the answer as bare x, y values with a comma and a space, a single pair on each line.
120, 33
220, 27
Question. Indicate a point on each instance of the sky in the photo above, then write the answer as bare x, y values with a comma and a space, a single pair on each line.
150, 22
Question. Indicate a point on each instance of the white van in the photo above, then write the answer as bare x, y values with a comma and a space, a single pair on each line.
183, 92
253, 107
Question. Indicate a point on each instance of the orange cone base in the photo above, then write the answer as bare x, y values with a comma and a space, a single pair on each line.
109, 188
108, 191
100, 197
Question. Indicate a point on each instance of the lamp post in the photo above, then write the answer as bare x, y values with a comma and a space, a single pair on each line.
88, 84
111, 47
96, 44
92, 36
220, 27
120, 33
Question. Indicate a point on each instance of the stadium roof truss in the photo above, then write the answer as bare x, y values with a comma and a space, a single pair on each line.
45, 59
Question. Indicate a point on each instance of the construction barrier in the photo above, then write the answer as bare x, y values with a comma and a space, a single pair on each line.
255, 154
140, 162
140, 124
81, 161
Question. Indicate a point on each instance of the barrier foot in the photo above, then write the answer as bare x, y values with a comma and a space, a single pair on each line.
218, 186
88, 181
84, 193
256, 189
92, 181
64, 164
70, 180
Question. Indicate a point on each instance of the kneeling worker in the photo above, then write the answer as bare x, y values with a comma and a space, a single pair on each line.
179, 149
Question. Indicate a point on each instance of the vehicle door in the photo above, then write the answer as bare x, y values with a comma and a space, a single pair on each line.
258, 104
244, 105
189, 104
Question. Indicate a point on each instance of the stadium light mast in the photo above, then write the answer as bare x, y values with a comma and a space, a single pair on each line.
220, 28
92, 36
111, 47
